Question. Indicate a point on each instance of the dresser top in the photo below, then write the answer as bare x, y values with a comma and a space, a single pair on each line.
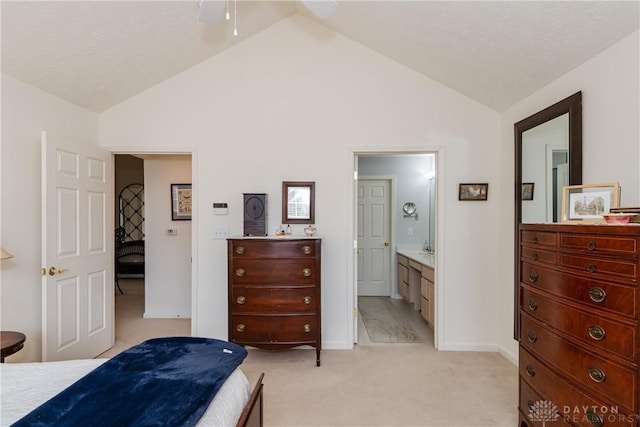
599, 228
286, 237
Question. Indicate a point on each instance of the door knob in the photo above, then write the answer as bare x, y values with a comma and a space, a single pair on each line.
386, 243
53, 271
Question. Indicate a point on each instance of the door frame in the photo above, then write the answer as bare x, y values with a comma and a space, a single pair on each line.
392, 228
193, 152
440, 274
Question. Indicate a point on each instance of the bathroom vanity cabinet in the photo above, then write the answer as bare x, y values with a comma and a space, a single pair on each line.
416, 282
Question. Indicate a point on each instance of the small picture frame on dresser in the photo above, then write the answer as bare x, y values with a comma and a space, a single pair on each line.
582, 203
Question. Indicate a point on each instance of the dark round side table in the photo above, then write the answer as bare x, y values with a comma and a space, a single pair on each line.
12, 342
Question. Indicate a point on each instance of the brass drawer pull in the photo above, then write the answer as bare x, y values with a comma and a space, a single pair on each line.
597, 294
535, 239
596, 374
530, 371
535, 256
591, 268
240, 327
306, 300
306, 250
306, 272
591, 245
306, 328
532, 337
596, 332
241, 300
533, 305
240, 250
240, 272
594, 418
533, 276
530, 405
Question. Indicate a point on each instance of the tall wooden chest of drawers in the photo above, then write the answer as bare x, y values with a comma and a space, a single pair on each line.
274, 293
579, 308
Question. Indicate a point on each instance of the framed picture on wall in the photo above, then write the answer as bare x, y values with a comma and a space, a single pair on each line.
181, 202
527, 190
473, 191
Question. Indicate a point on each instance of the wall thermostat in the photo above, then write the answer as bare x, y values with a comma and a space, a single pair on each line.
220, 209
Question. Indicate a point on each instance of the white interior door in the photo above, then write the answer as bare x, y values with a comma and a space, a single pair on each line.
374, 236
77, 249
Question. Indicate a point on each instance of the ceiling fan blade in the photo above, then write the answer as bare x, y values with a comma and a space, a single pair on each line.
211, 11
321, 8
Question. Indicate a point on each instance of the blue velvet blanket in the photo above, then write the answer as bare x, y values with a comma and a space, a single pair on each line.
161, 382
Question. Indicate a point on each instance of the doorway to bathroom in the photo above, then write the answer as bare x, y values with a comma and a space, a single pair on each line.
385, 182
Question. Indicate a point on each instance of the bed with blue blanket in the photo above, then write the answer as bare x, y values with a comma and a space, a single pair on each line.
176, 381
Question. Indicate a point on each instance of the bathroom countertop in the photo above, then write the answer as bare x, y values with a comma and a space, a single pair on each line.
420, 256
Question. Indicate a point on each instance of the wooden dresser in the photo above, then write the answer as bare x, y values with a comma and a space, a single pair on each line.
578, 325
274, 293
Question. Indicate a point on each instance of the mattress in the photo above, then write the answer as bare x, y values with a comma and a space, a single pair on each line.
25, 386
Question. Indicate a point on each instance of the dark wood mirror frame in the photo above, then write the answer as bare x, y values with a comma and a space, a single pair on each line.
573, 106
287, 218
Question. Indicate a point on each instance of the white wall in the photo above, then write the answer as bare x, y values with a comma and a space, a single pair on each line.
167, 257
610, 136
295, 103
26, 111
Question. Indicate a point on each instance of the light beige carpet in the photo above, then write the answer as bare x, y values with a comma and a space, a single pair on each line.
382, 385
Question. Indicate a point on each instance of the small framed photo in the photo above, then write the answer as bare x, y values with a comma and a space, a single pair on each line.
473, 191
589, 202
527, 190
181, 202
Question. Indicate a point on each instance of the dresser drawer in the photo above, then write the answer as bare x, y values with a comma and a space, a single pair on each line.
614, 245
428, 273
531, 407
273, 271
600, 375
536, 254
604, 267
615, 298
542, 238
616, 337
574, 406
250, 248
280, 329
403, 261
273, 300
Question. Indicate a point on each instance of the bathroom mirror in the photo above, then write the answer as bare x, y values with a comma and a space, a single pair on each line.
548, 138
298, 202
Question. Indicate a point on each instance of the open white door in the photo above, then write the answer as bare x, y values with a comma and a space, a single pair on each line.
77, 248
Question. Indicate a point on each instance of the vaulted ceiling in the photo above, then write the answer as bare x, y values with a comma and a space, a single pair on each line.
99, 53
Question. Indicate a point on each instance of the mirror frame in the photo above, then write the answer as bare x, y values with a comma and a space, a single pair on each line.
573, 106
288, 219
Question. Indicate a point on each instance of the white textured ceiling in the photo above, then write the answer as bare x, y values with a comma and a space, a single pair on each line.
99, 53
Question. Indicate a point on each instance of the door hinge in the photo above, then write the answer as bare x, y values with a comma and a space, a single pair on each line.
355, 312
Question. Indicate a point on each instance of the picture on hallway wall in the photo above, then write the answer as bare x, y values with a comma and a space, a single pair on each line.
473, 191
181, 202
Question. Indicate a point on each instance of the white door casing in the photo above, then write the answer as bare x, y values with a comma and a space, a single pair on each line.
77, 249
374, 237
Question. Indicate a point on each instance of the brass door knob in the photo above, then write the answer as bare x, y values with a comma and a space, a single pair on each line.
53, 271
240, 250
240, 272
306, 272
386, 244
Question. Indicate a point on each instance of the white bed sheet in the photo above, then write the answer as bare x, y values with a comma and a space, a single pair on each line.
25, 386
